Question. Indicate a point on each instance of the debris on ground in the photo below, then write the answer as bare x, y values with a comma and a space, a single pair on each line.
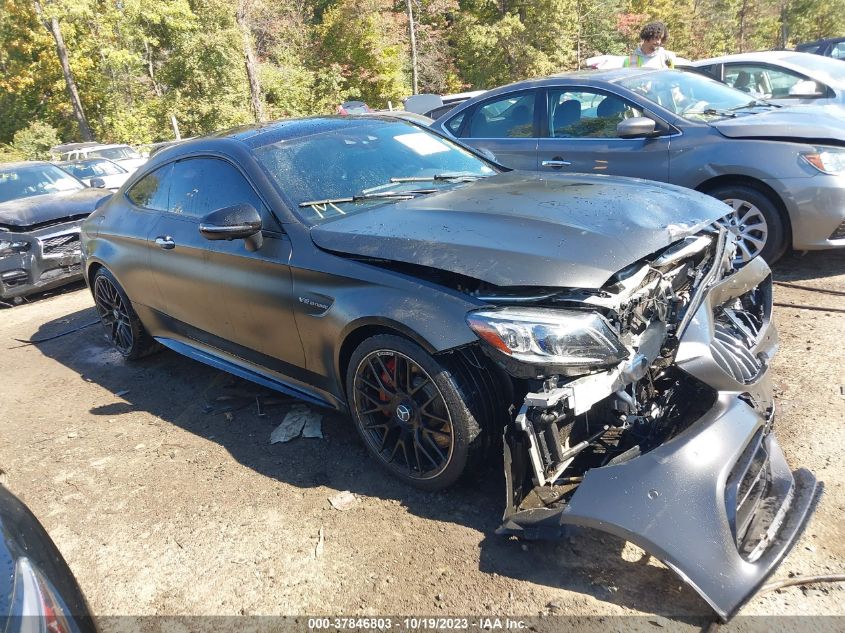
295, 422
228, 415
343, 500
313, 427
321, 538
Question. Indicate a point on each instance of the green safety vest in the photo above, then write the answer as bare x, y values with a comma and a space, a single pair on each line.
638, 61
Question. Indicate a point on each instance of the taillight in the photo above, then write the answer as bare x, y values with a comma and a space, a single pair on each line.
36, 606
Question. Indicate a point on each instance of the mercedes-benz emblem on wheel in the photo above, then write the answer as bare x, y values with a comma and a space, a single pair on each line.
403, 412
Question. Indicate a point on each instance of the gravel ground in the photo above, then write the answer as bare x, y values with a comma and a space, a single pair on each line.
162, 507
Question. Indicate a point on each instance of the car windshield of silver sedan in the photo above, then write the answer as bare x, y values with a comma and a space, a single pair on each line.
341, 172
26, 181
692, 96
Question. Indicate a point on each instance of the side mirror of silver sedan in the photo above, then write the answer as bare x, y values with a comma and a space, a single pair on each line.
635, 128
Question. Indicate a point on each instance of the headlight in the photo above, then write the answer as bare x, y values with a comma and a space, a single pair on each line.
549, 337
829, 160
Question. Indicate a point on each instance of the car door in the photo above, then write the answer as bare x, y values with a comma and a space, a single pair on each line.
505, 125
219, 291
578, 134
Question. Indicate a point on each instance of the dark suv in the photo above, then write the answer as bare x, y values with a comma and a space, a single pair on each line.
830, 47
597, 323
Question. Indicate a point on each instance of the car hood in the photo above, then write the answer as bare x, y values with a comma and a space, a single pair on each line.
808, 122
25, 212
527, 229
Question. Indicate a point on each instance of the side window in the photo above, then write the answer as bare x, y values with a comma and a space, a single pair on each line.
508, 116
151, 191
762, 81
202, 185
454, 124
838, 51
586, 113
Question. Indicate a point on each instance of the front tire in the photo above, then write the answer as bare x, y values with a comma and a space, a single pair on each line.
123, 329
755, 221
413, 413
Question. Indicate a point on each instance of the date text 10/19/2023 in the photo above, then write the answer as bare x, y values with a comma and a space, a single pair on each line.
415, 623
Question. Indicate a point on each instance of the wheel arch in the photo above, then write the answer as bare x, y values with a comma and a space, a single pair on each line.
754, 183
362, 329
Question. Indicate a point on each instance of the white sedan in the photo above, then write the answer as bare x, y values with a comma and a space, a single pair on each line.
782, 77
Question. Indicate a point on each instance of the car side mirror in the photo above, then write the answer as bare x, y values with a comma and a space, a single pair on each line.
238, 222
635, 128
807, 88
97, 183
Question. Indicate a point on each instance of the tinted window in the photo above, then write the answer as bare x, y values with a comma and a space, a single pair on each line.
202, 185
508, 116
455, 123
586, 113
151, 191
838, 51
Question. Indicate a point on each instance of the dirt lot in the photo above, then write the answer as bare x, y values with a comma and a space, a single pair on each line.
163, 507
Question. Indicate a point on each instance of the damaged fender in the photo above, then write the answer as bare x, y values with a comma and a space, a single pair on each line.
717, 503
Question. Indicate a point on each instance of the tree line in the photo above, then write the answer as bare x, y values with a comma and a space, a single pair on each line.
140, 71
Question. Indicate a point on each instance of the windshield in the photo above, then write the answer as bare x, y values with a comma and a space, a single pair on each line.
93, 169
34, 180
688, 94
115, 153
370, 161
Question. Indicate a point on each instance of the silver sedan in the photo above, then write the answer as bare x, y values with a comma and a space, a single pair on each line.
781, 170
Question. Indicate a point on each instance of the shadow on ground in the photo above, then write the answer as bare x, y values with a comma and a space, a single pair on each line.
806, 265
7, 304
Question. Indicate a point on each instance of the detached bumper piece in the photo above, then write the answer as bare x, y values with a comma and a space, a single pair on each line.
717, 502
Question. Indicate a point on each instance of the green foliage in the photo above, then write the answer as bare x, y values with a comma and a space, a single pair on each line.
137, 63
34, 141
366, 41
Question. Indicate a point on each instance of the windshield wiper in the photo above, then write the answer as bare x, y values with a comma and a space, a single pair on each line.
399, 195
436, 177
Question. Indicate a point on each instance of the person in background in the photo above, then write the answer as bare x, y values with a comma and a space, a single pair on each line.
650, 53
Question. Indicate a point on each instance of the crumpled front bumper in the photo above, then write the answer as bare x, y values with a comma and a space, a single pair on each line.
718, 503
52, 259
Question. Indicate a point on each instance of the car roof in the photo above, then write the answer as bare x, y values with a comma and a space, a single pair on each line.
257, 135
758, 56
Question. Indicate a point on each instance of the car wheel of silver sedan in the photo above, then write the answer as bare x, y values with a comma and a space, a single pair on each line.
755, 222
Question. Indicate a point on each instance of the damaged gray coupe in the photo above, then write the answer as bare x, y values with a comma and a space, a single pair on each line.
594, 330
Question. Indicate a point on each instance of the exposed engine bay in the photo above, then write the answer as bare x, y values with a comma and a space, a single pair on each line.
665, 440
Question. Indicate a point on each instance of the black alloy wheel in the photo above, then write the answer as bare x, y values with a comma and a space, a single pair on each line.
122, 328
412, 412
403, 413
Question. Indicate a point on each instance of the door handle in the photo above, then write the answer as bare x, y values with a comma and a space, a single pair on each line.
556, 163
165, 241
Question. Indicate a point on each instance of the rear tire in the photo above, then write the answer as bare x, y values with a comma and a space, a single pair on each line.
756, 222
419, 418
123, 329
